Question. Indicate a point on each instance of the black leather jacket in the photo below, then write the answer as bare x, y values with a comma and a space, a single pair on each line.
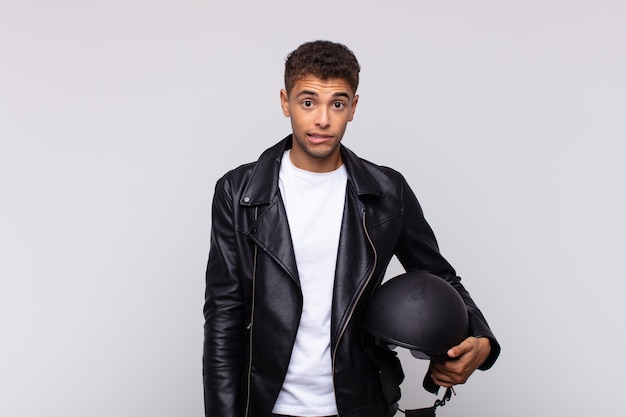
253, 299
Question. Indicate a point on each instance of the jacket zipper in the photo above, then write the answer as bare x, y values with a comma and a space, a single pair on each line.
345, 326
250, 325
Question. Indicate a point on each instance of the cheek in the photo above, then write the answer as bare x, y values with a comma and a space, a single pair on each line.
345, 119
299, 118
296, 123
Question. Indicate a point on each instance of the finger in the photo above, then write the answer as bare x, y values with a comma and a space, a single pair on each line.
447, 378
444, 379
440, 379
443, 375
450, 373
462, 348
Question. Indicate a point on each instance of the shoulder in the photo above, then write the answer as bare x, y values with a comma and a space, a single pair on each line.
241, 171
235, 178
382, 170
383, 177
255, 182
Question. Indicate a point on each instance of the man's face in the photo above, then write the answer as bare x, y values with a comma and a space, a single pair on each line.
320, 111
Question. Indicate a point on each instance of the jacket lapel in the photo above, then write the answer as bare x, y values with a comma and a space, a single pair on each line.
271, 233
270, 230
356, 259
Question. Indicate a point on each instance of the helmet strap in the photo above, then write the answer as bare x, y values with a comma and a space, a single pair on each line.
430, 411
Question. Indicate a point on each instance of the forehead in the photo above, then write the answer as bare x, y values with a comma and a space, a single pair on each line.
311, 84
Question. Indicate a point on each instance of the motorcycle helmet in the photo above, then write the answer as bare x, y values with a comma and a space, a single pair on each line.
418, 311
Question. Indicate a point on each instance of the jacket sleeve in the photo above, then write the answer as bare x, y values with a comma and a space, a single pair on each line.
418, 251
224, 327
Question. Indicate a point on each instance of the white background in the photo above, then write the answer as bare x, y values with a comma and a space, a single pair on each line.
117, 117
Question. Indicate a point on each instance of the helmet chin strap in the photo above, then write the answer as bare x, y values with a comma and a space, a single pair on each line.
430, 411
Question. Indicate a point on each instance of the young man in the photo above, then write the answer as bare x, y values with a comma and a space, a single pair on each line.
300, 240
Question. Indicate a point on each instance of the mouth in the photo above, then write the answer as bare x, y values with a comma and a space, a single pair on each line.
316, 137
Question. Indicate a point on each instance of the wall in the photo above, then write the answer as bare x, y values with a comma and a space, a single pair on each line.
117, 118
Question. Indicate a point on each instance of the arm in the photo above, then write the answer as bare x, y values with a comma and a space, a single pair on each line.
223, 313
418, 250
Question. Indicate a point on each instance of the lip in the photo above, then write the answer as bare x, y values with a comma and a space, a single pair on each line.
316, 138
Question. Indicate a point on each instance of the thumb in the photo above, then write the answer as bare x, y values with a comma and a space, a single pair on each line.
460, 349
454, 352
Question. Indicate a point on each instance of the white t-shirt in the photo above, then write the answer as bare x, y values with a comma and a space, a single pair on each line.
314, 204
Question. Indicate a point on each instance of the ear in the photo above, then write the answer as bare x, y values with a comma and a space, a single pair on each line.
355, 101
284, 102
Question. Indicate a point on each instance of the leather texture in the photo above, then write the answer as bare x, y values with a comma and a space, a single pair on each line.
253, 300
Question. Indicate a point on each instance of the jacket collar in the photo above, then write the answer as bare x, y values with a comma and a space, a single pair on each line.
262, 186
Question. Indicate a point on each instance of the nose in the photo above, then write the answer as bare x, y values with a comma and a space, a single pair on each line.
322, 118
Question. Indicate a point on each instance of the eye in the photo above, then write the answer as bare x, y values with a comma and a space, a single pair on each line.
307, 103
339, 105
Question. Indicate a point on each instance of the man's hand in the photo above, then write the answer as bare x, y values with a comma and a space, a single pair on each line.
465, 358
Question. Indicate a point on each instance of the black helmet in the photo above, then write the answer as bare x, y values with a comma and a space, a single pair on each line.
418, 311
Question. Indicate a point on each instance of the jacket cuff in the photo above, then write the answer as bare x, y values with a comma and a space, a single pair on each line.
493, 355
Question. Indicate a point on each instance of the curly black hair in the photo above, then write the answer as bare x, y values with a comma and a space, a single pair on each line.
324, 60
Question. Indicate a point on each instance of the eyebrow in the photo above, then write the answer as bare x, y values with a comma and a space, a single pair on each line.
313, 93
342, 94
